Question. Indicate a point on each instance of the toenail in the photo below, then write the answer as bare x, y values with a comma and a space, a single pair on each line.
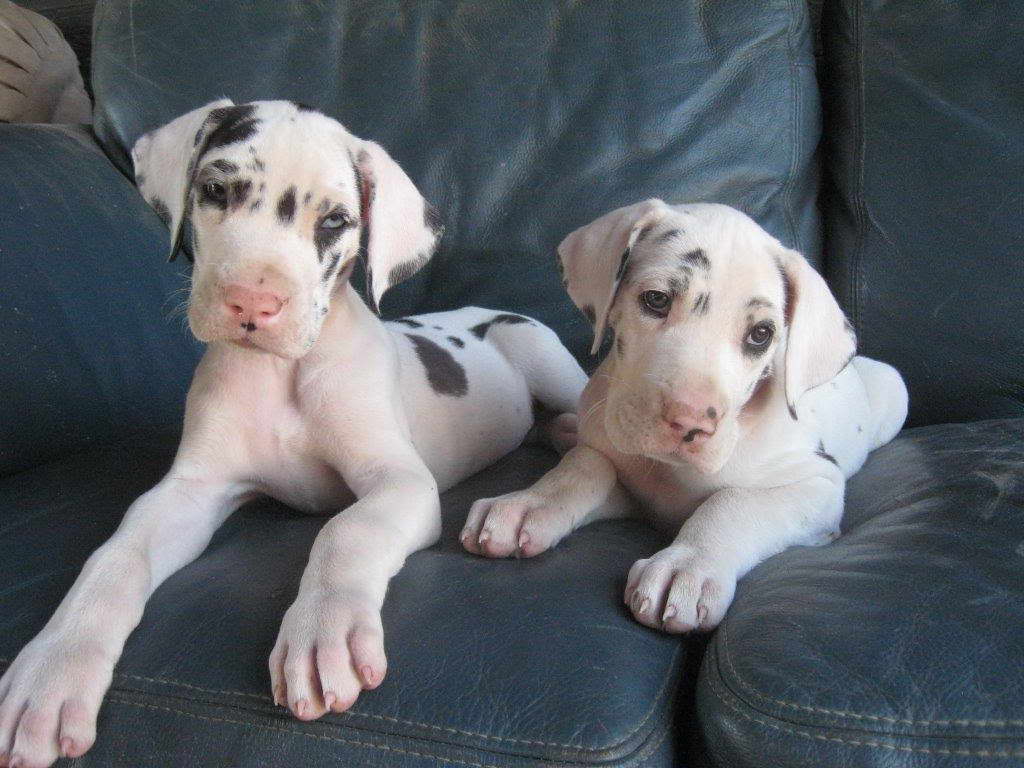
645, 605
670, 612
485, 535
329, 699
300, 707
702, 613
367, 673
524, 539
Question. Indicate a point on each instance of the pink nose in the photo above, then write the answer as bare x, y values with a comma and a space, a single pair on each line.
252, 309
693, 419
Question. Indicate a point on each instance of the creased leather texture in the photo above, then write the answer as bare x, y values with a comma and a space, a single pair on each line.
926, 159
90, 353
900, 643
520, 120
508, 663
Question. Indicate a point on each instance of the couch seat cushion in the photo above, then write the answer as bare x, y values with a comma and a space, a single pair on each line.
901, 642
509, 663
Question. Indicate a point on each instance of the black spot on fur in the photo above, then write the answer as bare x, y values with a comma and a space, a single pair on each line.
335, 258
324, 207
140, 179
588, 312
444, 373
792, 411
622, 265
702, 304
480, 329
664, 237
224, 166
438, 328
620, 345
457, 341
404, 271
697, 258
820, 451
255, 205
162, 210
712, 413
304, 107
432, 220
409, 321
286, 206
233, 124
306, 198
239, 193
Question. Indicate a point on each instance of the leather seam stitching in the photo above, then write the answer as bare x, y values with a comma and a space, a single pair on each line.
352, 742
734, 673
446, 729
713, 684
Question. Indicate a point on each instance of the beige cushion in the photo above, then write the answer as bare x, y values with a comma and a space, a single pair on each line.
39, 77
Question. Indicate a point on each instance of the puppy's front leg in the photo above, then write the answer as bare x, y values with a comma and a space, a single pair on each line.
51, 693
690, 584
331, 644
580, 489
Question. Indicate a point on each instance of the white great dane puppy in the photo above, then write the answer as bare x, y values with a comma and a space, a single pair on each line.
730, 405
303, 395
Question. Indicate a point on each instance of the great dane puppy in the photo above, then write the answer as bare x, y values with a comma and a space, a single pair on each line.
730, 406
303, 395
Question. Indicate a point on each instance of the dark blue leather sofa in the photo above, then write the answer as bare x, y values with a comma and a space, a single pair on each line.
884, 138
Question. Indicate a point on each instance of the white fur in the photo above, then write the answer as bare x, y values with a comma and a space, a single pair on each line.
323, 411
736, 488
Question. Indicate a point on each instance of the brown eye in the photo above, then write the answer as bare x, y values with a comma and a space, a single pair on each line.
215, 192
760, 336
657, 303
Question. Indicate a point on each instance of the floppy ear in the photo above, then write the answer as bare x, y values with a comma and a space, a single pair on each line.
820, 340
165, 161
402, 228
594, 258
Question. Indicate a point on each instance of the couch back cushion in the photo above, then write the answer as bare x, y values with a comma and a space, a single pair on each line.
520, 121
924, 240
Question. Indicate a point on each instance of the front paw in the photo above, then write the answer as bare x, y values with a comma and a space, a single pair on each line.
522, 523
49, 699
330, 647
679, 589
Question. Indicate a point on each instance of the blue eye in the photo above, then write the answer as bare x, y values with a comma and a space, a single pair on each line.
335, 221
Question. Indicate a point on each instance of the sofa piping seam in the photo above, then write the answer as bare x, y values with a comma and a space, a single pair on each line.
863, 743
351, 742
734, 672
446, 729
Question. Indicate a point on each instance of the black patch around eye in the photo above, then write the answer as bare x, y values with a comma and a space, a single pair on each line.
409, 321
286, 206
445, 375
323, 238
234, 124
702, 304
588, 312
697, 258
457, 341
820, 451
432, 220
162, 210
335, 258
239, 193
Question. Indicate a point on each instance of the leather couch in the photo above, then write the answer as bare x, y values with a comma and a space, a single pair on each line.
886, 142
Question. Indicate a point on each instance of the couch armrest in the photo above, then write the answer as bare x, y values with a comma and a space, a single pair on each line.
89, 352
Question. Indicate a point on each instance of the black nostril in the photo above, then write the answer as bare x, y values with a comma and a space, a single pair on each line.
712, 413
689, 436
250, 326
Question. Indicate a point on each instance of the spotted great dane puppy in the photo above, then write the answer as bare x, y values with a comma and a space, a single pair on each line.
303, 395
730, 406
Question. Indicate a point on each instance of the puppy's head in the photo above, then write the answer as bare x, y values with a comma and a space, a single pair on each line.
272, 199
708, 313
